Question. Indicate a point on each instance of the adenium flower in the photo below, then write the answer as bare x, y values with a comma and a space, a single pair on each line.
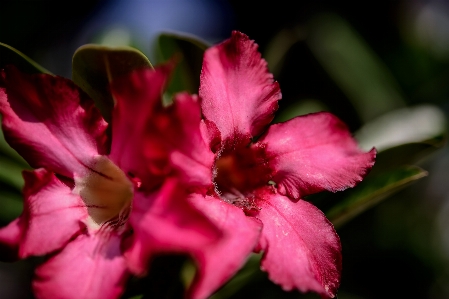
94, 206
254, 188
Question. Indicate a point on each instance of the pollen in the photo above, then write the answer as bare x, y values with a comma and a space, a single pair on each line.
106, 191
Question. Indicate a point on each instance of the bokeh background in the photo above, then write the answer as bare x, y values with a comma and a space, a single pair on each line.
381, 66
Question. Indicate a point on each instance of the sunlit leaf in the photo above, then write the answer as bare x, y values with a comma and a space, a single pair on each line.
94, 66
371, 191
9, 55
400, 126
188, 50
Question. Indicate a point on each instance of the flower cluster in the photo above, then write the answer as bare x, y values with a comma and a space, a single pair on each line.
205, 176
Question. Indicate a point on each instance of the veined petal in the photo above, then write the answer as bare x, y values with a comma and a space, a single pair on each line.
165, 222
312, 153
52, 214
211, 134
89, 267
138, 97
51, 122
238, 93
219, 262
301, 248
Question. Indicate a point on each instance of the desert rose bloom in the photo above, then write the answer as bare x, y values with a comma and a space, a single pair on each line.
94, 206
260, 175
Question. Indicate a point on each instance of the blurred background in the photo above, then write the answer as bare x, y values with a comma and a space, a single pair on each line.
381, 66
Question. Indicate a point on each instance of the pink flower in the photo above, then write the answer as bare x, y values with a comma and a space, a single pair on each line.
94, 206
256, 184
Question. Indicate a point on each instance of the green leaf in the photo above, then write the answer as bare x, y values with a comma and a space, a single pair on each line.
11, 173
371, 191
278, 47
297, 108
400, 126
407, 154
189, 51
9, 55
95, 66
12, 206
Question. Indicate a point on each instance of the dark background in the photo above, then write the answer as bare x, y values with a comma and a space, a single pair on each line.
394, 250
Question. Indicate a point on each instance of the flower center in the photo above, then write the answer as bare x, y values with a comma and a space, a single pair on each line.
107, 193
239, 174
229, 178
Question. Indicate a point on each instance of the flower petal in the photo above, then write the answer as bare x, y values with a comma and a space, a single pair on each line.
312, 153
10, 236
138, 98
89, 267
52, 214
211, 134
51, 122
301, 248
219, 262
183, 135
165, 222
147, 136
238, 93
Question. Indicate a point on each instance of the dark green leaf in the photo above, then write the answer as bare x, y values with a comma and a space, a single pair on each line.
94, 66
188, 50
12, 206
408, 153
11, 173
9, 55
371, 191
278, 47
